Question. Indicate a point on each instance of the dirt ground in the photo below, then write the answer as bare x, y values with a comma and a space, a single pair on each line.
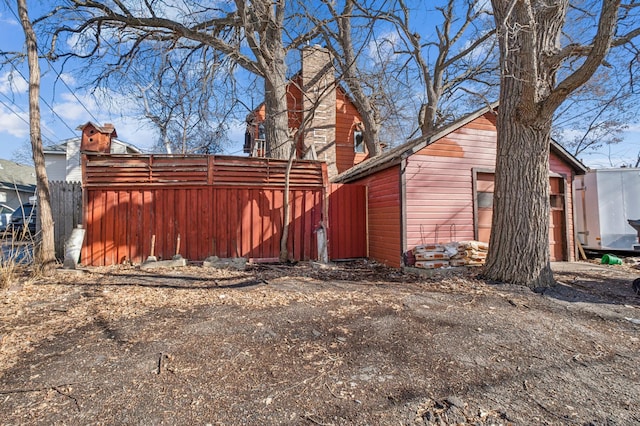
349, 344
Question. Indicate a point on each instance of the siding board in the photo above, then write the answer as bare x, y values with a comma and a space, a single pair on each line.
384, 214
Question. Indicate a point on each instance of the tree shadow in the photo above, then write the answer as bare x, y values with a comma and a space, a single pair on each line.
575, 287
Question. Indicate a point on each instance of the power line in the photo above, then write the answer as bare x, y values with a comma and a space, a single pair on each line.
20, 117
22, 111
59, 78
46, 103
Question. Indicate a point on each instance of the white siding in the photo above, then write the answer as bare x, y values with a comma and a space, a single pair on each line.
74, 171
56, 165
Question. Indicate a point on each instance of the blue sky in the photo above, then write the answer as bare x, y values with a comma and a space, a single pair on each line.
64, 107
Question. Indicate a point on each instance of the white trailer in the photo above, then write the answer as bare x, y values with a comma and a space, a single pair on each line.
604, 201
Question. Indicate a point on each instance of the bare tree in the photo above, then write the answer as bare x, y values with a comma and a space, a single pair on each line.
596, 114
376, 63
250, 34
533, 48
45, 250
341, 44
463, 50
186, 102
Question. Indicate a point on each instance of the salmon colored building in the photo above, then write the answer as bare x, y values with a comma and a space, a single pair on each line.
316, 103
440, 188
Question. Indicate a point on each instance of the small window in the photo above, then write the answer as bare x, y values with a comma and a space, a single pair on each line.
358, 141
485, 200
260, 131
556, 201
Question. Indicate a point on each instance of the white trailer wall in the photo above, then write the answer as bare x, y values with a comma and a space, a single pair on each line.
604, 200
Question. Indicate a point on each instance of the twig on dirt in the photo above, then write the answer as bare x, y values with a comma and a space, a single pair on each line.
275, 268
159, 364
314, 421
40, 389
75, 400
333, 394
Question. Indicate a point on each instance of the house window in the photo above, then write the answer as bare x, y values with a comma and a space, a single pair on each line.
358, 141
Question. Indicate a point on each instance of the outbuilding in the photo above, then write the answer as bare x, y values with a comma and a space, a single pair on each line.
439, 188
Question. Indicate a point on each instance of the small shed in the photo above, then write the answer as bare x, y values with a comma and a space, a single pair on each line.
440, 188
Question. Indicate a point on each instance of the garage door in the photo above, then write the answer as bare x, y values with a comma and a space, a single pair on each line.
557, 223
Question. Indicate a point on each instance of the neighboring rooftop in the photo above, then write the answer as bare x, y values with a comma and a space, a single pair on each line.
61, 148
20, 175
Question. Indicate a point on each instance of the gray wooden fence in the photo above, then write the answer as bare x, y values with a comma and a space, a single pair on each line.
66, 208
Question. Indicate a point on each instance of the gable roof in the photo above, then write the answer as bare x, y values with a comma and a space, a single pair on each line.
20, 175
339, 88
107, 129
399, 153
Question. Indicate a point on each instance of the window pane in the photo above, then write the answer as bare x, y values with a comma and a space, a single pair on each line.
358, 141
485, 200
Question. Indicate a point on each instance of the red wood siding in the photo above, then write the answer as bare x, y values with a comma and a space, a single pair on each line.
224, 206
439, 184
347, 221
384, 208
347, 116
556, 165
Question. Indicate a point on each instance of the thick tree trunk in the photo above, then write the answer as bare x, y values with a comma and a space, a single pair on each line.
45, 250
519, 245
279, 142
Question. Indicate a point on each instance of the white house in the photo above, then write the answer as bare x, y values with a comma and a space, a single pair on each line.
63, 160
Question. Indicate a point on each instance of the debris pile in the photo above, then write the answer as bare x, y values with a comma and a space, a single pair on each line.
455, 253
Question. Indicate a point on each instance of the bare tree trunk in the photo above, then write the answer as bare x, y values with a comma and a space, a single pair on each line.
519, 245
363, 103
45, 250
529, 34
277, 120
286, 209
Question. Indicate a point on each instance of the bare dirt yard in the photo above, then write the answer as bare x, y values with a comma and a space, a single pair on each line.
352, 344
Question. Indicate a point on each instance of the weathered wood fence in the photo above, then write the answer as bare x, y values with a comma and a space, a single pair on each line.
214, 205
66, 209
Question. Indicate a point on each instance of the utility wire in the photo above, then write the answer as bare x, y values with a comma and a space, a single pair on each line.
20, 117
46, 103
22, 111
59, 78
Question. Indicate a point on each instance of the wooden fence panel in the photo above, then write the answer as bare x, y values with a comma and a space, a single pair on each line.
66, 209
224, 206
347, 221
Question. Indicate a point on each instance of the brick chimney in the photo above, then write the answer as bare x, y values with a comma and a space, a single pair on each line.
97, 138
319, 104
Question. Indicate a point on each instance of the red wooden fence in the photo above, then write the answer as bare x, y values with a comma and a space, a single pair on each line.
347, 221
217, 205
